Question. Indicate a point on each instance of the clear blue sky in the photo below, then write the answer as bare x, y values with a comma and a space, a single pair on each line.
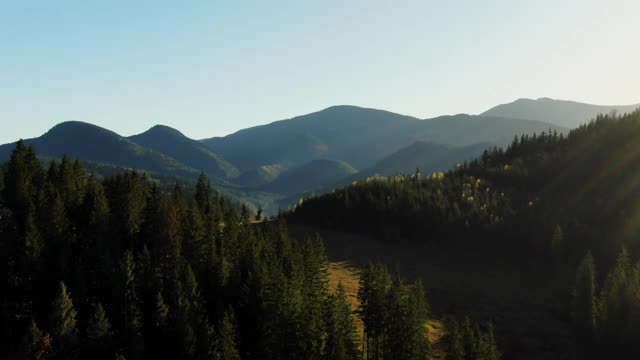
210, 68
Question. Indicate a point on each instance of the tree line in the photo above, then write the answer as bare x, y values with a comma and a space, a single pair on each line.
126, 268
550, 196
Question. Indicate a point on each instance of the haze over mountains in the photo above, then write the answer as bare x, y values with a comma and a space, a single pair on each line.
315, 151
569, 114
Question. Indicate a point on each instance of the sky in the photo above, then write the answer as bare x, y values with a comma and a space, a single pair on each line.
210, 68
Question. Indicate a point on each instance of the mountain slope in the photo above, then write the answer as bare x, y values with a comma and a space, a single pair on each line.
564, 113
261, 176
359, 136
192, 153
428, 157
311, 176
93, 143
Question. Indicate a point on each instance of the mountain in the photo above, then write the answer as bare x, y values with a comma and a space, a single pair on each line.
560, 112
190, 152
545, 205
360, 136
260, 176
311, 176
428, 157
93, 143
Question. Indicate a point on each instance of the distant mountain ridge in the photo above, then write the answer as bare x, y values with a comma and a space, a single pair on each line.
311, 176
190, 152
93, 143
427, 157
312, 152
360, 136
570, 114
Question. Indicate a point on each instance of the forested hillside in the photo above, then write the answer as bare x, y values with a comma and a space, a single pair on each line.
549, 196
125, 268
82, 140
311, 176
189, 152
360, 136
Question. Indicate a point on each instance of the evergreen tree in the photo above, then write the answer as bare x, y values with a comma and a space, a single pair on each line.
35, 345
98, 334
375, 282
584, 304
99, 328
617, 304
131, 315
557, 244
228, 348
456, 350
487, 348
63, 323
341, 341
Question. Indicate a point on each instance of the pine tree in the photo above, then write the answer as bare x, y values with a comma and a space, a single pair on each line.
98, 334
341, 343
35, 344
203, 195
375, 282
99, 328
161, 312
228, 348
584, 303
456, 350
131, 315
617, 307
487, 348
557, 244
33, 242
63, 320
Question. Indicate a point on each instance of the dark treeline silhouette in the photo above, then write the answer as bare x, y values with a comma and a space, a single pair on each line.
548, 195
122, 268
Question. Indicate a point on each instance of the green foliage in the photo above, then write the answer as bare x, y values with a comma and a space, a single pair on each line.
35, 344
155, 274
160, 312
584, 305
467, 341
228, 337
341, 343
394, 318
63, 322
98, 334
99, 328
557, 244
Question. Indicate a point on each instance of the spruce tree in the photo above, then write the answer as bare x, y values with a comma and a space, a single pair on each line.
99, 328
99, 335
617, 307
130, 307
228, 348
35, 344
63, 323
557, 244
341, 343
456, 349
584, 304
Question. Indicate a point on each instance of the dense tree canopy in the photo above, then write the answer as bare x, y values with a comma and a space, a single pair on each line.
124, 268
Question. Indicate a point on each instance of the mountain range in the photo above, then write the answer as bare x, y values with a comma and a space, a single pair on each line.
569, 114
313, 152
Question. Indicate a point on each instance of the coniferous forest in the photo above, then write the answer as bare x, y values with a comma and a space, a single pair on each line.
124, 268
570, 202
127, 267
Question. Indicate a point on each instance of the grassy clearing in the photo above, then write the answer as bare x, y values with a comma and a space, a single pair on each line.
347, 274
513, 293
